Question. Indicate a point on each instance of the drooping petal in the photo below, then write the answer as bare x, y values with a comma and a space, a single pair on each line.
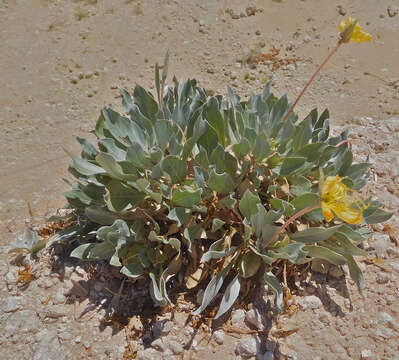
328, 214
357, 34
347, 213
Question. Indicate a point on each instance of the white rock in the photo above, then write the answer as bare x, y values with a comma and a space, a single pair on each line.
254, 318
218, 336
387, 320
384, 333
56, 311
10, 304
366, 354
49, 347
310, 302
392, 10
159, 345
307, 39
149, 354
238, 317
381, 243
175, 347
382, 278
247, 347
12, 276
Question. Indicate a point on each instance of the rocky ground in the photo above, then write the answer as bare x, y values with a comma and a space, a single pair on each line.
61, 62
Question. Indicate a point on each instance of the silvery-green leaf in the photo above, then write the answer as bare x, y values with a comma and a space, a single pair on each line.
133, 269
271, 280
355, 273
155, 292
30, 242
291, 164
249, 264
186, 197
222, 183
179, 214
212, 289
248, 204
314, 234
229, 297
304, 200
175, 168
320, 252
217, 224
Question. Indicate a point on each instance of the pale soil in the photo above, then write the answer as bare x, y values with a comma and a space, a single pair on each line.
43, 46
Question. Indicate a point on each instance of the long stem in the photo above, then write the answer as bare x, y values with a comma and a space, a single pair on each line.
311, 79
291, 220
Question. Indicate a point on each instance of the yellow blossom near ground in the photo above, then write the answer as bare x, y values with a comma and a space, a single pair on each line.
334, 200
352, 31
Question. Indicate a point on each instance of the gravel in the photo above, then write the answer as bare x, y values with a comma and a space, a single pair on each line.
11, 304
247, 347
310, 302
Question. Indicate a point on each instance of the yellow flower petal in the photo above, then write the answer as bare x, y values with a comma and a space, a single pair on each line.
334, 200
328, 214
348, 214
357, 35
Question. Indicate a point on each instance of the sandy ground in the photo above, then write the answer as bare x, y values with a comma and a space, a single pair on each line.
61, 62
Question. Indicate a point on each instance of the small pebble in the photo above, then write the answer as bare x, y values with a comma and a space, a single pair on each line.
366, 354
392, 10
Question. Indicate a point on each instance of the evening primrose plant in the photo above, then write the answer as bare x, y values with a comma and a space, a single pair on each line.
194, 191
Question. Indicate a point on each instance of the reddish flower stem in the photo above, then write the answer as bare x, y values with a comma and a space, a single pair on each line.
291, 220
311, 79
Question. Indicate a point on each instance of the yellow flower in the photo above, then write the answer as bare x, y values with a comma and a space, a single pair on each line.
352, 31
334, 200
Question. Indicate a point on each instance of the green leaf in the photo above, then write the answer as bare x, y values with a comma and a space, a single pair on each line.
186, 197
217, 158
179, 214
249, 265
222, 183
217, 250
242, 148
155, 292
133, 269
229, 297
66, 234
209, 139
30, 242
271, 280
112, 168
305, 200
248, 204
299, 185
292, 252
88, 150
315, 234
378, 216
229, 201
212, 289
145, 102
122, 197
290, 164
320, 252
85, 167
355, 273
215, 119
262, 147
283, 205
100, 215
175, 168
217, 224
